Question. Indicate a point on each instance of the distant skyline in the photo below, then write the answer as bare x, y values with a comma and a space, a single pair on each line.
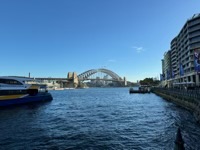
50, 38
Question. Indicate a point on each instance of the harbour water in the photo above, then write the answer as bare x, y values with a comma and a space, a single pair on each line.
97, 118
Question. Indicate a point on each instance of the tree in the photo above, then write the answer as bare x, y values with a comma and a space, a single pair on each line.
149, 81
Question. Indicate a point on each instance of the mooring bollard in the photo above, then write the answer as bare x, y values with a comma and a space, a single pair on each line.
179, 143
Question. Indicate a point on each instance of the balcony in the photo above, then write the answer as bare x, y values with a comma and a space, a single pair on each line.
194, 22
195, 40
194, 29
194, 34
195, 45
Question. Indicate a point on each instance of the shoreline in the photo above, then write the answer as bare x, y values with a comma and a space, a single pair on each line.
189, 100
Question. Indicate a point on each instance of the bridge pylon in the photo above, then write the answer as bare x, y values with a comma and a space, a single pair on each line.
72, 77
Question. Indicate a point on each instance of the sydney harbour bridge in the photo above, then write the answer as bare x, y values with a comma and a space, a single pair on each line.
93, 77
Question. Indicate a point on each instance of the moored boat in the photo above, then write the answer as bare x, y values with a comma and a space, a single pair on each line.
142, 89
59, 89
19, 90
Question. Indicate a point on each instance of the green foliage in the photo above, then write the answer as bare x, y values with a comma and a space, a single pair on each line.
149, 81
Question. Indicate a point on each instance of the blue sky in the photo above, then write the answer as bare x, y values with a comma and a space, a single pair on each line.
50, 38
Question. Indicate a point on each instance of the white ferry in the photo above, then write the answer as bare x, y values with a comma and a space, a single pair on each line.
19, 90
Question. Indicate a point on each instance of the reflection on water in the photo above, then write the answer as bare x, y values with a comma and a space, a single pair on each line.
97, 119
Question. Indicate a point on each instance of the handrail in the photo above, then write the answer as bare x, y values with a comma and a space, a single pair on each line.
185, 93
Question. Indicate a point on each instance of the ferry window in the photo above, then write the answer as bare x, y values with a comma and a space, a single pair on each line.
10, 81
12, 92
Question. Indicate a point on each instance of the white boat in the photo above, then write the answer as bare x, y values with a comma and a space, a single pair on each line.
56, 88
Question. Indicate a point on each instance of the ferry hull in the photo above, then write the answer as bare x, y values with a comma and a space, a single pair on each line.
28, 99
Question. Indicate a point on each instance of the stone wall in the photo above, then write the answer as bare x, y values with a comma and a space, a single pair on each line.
189, 99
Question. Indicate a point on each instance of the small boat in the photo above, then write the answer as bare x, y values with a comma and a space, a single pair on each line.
142, 89
20, 90
58, 89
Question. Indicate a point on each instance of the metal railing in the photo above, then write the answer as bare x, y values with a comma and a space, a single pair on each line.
187, 94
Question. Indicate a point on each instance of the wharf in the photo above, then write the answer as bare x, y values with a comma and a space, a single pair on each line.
142, 89
138, 91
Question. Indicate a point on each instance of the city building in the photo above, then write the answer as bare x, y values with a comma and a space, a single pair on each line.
166, 67
183, 66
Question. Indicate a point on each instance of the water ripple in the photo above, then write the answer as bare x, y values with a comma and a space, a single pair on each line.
97, 119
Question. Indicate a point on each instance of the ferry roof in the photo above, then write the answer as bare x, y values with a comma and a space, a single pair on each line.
17, 78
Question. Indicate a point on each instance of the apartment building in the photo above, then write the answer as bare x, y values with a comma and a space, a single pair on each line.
184, 66
167, 65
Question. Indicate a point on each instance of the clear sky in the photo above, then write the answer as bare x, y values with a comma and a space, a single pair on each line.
50, 38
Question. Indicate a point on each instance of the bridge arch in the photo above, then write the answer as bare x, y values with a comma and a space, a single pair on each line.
86, 74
